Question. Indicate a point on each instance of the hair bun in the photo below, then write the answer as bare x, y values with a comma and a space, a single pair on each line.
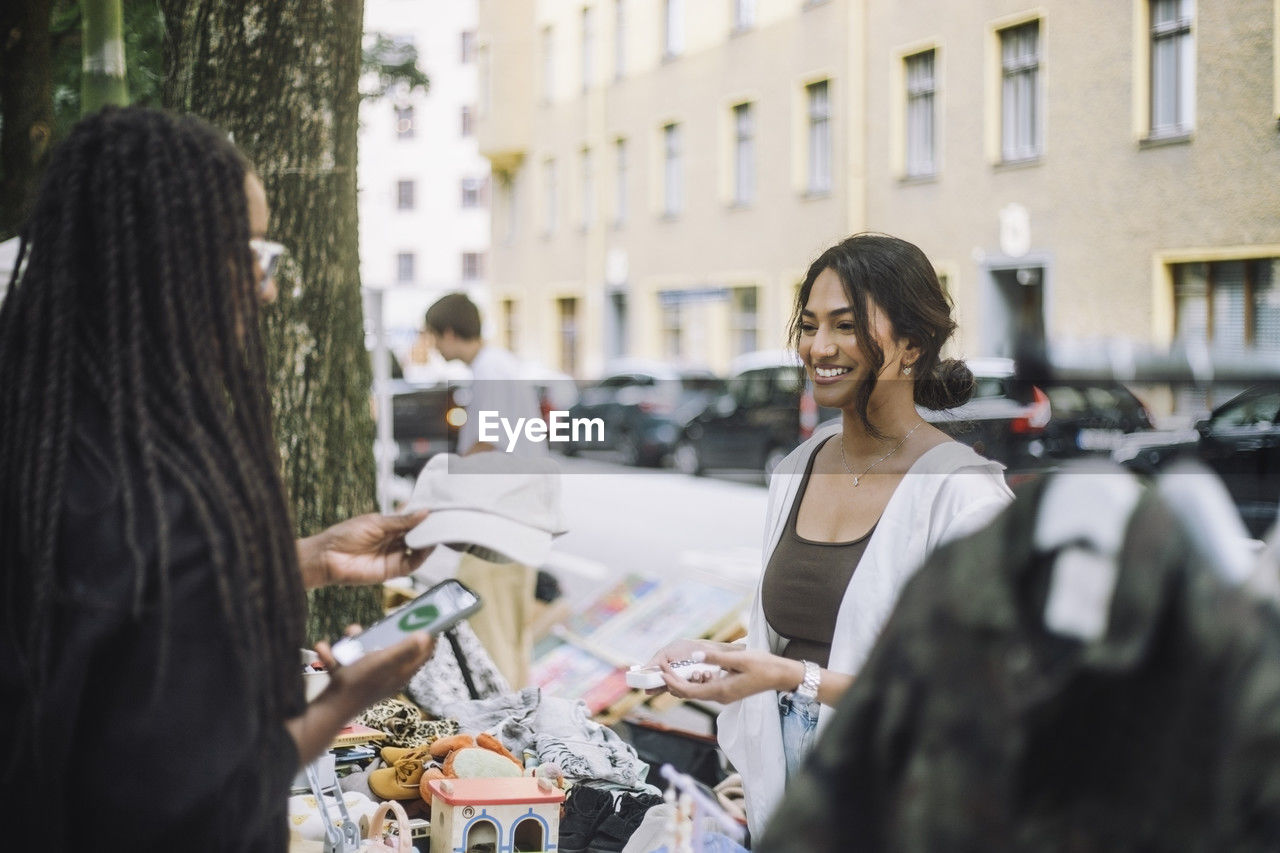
949, 384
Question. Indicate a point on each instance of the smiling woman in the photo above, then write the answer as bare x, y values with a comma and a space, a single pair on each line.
853, 512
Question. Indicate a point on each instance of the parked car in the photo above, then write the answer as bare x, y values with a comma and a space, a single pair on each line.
643, 406
766, 410
1240, 441
1030, 428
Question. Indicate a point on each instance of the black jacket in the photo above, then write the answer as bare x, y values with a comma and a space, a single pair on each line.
126, 760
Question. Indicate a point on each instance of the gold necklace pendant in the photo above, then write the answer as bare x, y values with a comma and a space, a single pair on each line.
858, 477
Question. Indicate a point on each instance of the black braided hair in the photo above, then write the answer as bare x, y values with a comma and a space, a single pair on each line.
138, 305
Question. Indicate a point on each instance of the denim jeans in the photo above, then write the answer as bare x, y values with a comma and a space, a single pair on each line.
799, 725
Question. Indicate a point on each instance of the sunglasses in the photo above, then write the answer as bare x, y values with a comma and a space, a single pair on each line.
268, 255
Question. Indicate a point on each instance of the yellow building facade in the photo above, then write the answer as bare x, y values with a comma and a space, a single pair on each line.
664, 170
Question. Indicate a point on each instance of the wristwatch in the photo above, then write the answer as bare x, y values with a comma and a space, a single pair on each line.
808, 689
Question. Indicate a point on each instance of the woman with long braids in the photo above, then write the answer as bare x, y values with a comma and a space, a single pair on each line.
853, 511
152, 590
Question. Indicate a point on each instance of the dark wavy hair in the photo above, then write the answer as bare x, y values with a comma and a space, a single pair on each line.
137, 308
898, 277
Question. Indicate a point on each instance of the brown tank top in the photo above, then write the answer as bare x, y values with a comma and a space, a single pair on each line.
804, 583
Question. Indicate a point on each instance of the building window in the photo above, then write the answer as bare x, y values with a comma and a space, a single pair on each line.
549, 191
548, 64
484, 82
744, 14
509, 320
1228, 305
588, 47
744, 154
619, 39
620, 182
467, 120
473, 192
472, 266
819, 137
745, 320
567, 309
672, 171
467, 47
921, 89
404, 195
510, 198
404, 268
672, 334
672, 28
404, 122
1172, 68
1020, 92
588, 190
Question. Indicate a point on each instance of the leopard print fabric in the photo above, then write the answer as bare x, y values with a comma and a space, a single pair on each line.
405, 725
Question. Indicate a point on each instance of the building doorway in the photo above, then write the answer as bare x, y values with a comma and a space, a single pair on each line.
1015, 308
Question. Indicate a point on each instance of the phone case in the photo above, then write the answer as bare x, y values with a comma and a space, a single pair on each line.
436, 610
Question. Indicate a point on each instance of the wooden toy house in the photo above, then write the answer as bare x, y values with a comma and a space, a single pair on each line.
511, 815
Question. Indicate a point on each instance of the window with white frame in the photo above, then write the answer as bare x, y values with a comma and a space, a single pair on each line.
473, 192
619, 38
619, 182
404, 122
404, 267
1020, 92
588, 189
921, 91
588, 47
550, 198
405, 195
744, 14
467, 120
1173, 73
672, 28
744, 154
548, 64
819, 113
472, 266
672, 171
467, 47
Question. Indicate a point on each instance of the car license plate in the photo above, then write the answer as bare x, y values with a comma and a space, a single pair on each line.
1098, 439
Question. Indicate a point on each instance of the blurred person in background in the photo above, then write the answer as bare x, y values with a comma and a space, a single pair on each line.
151, 585
498, 388
853, 512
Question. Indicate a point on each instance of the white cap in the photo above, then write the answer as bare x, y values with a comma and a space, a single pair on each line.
500, 501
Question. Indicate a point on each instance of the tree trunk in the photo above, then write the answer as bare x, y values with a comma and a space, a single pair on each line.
281, 76
26, 104
103, 81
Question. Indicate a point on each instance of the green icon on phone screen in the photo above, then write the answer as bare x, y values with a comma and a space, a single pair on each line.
419, 617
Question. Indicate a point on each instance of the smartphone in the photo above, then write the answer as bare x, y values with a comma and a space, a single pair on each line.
438, 609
